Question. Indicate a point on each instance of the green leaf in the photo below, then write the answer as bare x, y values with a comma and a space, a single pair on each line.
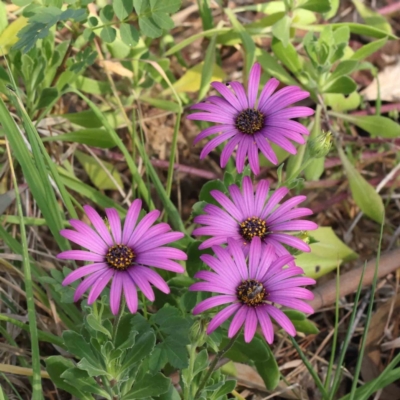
338, 102
207, 71
56, 366
287, 55
269, 371
149, 385
78, 346
344, 68
334, 9
122, 8
92, 369
142, 348
107, 14
175, 351
47, 97
129, 34
344, 85
82, 381
361, 29
97, 174
108, 34
301, 323
201, 362
205, 192
94, 137
368, 49
281, 30
319, 6
363, 193
325, 255
162, 104
375, 125
95, 324
372, 18
226, 388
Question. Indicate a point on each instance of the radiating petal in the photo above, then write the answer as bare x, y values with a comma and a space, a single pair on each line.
253, 158
131, 219
254, 257
275, 198
227, 94
238, 321
240, 93
212, 130
267, 91
260, 196
266, 149
292, 303
241, 153
266, 324
227, 204
213, 302
238, 258
292, 241
254, 81
250, 325
130, 293
83, 271
116, 291
215, 142
221, 317
115, 224
80, 255
282, 319
97, 246
229, 148
248, 195
142, 227
99, 286
141, 282
89, 232
86, 283
159, 241
99, 224
153, 278
211, 117
294, 112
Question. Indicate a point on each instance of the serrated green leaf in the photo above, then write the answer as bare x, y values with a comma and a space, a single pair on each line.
122, 8
56, 366
343, 85
375, 125
97, 174
129, 34
92, 369
108, 34
149, 385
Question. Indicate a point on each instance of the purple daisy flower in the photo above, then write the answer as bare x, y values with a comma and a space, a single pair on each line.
123, 255
251, 289
250, 124
250, 215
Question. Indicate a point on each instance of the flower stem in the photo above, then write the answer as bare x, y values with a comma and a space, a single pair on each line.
192, 359
214, 363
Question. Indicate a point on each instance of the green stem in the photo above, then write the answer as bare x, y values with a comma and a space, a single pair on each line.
214, 363
172, 155
37, 392
192, 359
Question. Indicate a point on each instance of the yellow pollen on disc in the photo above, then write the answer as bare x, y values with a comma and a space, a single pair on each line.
251, 227
120, 257
251, 293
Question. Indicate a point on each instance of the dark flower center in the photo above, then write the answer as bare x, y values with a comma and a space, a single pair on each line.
120, 257
253, 226
249, 121
251, 293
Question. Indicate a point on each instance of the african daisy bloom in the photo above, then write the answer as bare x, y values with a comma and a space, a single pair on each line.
250, 124
123, 255
247, 215
250, 289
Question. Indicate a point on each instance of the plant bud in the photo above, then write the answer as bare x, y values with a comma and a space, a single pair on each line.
320, 146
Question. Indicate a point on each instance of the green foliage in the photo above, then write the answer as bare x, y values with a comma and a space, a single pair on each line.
153, 15
40, 22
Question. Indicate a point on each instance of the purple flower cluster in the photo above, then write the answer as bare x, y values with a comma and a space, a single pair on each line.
250, 232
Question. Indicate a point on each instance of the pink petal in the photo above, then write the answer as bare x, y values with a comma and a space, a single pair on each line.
221, 317
267, 256
211, 117
261, 196
80, 255
293, 241
219, 101
292, 292
142, 227
227, 204
99, 224
213, 302
294, 112
266, 324
142, 283
254, 256
282, 319
229, 148
116, 291
248, 196
238, 258
267, 91
99, 286
298, 225
250, 325
83, 271
254, 81
253, 158
276, 197
227, 94
89, 232
238, 321
86, 283
215, 142
286, 124
266, 149
212, 130
291, 303
241, 153
240, 93
209, 287
130, 294
115, 224
130, 220
159, 241
162, 263
97, 246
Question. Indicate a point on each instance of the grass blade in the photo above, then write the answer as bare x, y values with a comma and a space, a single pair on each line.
37, 380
